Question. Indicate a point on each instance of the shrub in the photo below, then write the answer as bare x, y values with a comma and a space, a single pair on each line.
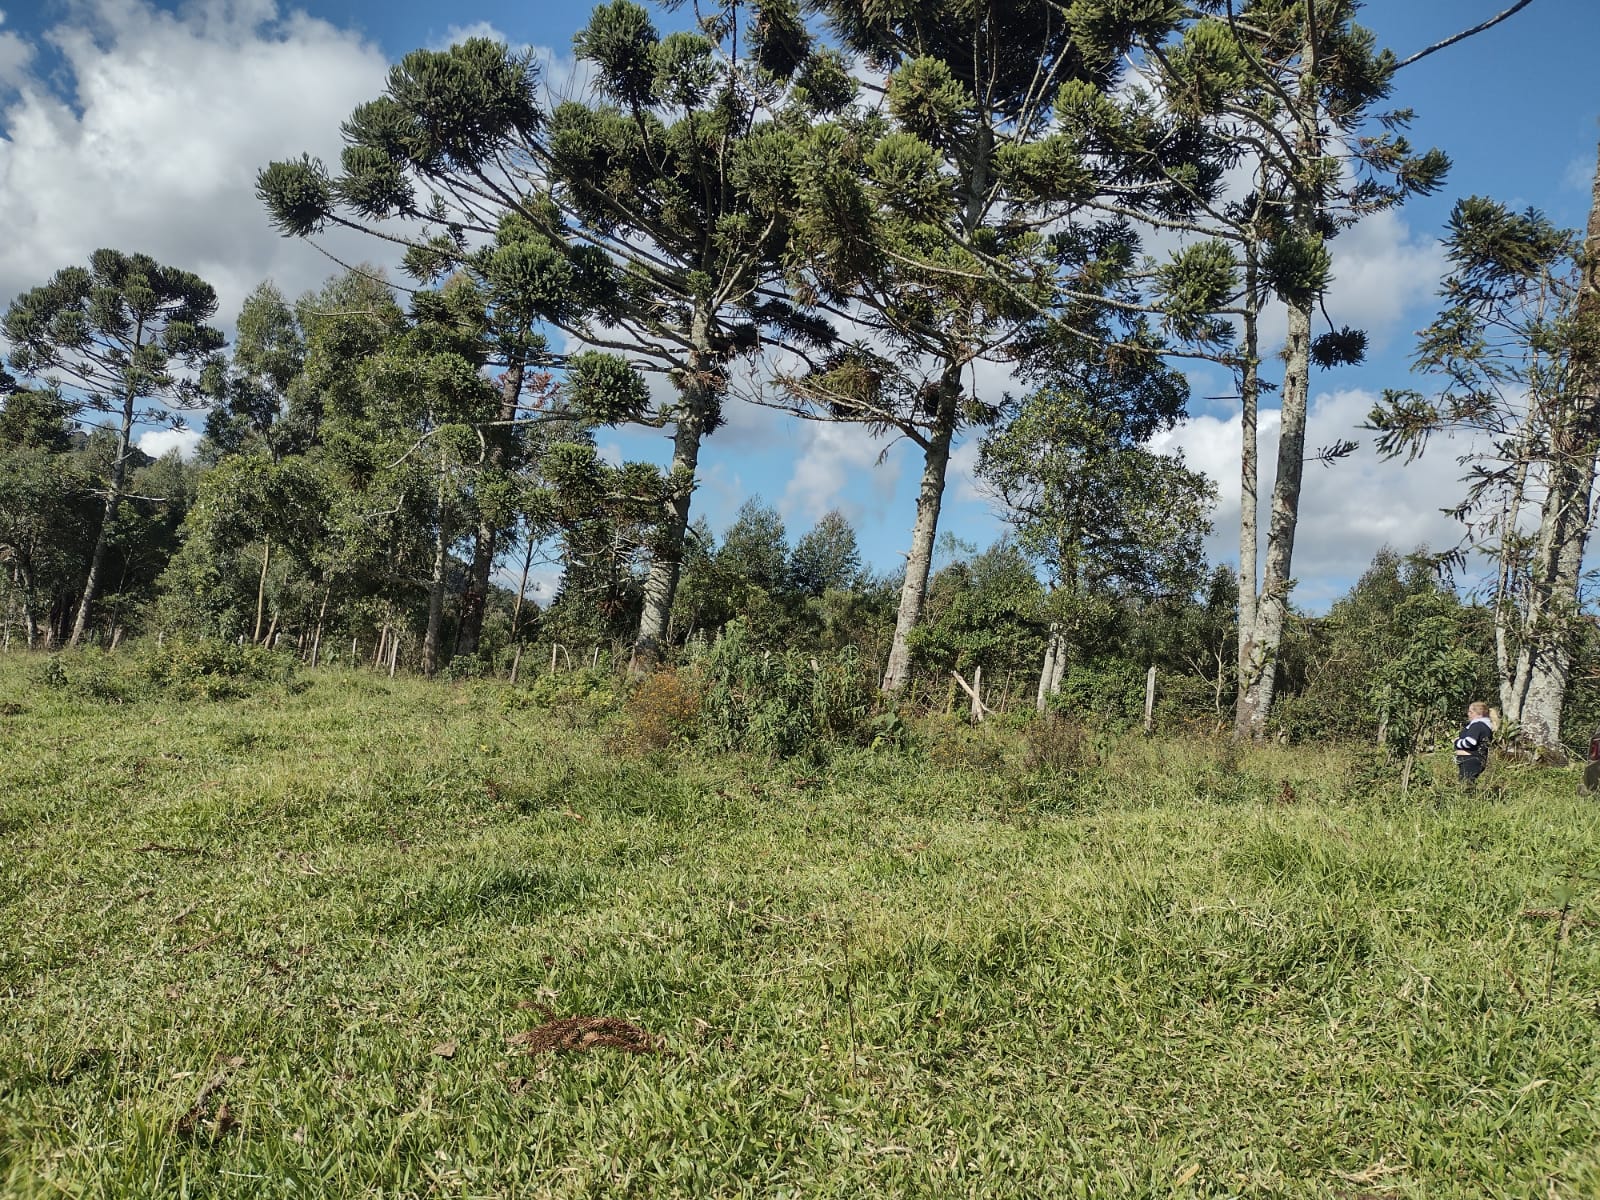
581, 698
1056, 743
1112, 690
780, 704
662, 711
212, 669
465, 666
952, 744
92, 674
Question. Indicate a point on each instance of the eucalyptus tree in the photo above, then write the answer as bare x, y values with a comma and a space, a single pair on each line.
125, 336
251, 391
1516, 348
656, 208
936, 222
1289, 93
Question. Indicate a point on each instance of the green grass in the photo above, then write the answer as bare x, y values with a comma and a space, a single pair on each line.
1169, 976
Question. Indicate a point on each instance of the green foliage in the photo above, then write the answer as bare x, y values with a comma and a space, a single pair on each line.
203, 669
579, 699
1111, 690
1194, 284
827, 557
211, 669
984, 612
1432, 677
783, 705
1090, 502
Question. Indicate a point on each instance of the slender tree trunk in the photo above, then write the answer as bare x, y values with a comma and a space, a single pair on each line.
1047, 670
1256, 691
476, 596
108, 519
1510, 649
1249, 474
316, 641
919, 562
522, 586
441, 561
261, 589
1568, 509
695, 406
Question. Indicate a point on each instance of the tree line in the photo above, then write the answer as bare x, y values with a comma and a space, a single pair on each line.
844, 213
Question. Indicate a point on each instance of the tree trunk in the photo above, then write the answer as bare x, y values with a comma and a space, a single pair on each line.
441, 562
1568, 513
1052, 648
695, 406
261, 590
522, 588
919, 562
1256, 688
316, 640
1249, 474
108, 520
476, 596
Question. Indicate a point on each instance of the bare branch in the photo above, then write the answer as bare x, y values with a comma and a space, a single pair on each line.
1466, 33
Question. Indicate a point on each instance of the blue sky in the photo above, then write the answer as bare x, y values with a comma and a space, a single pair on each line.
141, 125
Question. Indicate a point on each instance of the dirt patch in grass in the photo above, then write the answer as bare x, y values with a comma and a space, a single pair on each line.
588, 1033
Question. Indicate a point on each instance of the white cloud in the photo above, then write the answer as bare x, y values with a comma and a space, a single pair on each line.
1348, 511
149, 136
1380, 269
457, 34
834, 458
159, 442
15, 57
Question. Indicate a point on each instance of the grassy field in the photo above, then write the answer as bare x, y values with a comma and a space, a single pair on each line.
291, 944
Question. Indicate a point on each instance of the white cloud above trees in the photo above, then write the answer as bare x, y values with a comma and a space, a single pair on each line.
149, 135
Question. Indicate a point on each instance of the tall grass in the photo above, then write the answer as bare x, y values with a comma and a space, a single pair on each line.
284, 944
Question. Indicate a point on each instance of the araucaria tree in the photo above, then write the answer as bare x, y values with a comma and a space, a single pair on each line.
125, 336
1290, 91
1517, 348
929, 225
653, 217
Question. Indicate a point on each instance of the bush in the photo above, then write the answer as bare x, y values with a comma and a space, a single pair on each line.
952, 744
92, 674
207, 669
784, 705
662, 711
211, 669
1112, 690
463, 667
581, 698
1058, 744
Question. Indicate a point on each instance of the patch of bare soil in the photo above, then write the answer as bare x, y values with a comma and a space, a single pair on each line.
588, 1033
